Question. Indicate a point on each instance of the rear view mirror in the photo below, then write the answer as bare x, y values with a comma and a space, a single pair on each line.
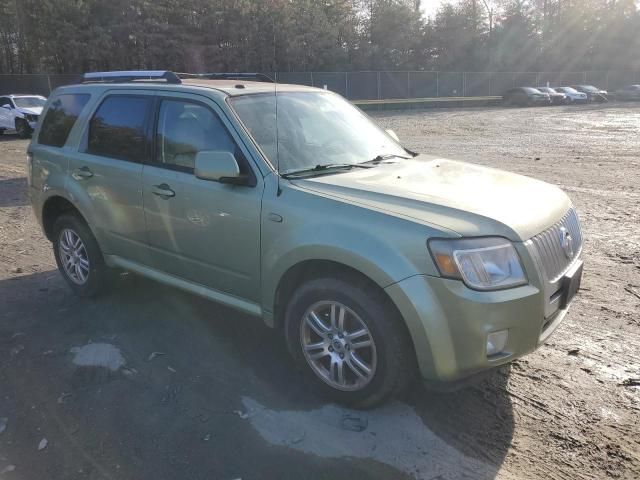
218, 166
393, 135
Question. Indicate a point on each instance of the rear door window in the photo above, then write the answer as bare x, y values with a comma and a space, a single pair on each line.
118, 129
60, 118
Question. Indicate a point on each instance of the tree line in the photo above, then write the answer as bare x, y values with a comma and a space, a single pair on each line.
71, 36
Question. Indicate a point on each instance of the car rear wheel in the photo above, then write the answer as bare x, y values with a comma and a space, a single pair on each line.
348, 340
78, 256
22, 128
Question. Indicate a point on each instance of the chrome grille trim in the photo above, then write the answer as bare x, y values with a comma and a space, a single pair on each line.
548, 246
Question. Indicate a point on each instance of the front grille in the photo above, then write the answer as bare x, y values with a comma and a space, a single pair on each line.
549, 246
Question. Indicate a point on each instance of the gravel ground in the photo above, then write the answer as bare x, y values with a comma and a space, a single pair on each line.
148, 382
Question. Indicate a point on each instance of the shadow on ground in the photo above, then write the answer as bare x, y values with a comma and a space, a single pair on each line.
13, 192
204, 392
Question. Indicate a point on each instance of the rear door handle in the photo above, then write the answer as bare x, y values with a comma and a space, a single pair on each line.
82, 172
163, 190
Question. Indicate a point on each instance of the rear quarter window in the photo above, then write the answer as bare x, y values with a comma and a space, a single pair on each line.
118, 129
60, 118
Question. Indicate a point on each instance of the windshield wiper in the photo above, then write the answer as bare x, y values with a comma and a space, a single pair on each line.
380, 158
324, 168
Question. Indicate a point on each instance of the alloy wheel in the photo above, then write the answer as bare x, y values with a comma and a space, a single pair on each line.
74, 256
338, 346
21, 129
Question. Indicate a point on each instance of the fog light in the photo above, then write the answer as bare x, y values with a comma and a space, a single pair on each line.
496, 342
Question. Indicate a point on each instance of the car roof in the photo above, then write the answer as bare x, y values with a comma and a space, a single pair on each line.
232, 87
225, 88
21, 95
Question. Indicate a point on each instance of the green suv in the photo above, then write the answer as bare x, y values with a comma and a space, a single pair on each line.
289, 204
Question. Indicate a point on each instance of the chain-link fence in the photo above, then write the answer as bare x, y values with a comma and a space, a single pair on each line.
387, 85
403, 85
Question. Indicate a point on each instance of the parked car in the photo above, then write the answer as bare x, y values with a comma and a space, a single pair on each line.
371, 259
525, 97
20, 113
594, 94
557, 98
631, 92
573, 95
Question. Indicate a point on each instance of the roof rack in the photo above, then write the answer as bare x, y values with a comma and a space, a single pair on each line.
260, 77
130, 76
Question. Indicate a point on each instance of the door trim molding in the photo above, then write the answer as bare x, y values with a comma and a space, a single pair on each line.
245, 306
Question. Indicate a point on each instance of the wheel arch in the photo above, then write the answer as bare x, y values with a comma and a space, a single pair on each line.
52, 208
318, 268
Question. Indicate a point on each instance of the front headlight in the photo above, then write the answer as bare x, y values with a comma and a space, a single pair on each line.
489, 263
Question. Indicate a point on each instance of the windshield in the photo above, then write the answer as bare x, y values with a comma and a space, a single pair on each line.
313, 128
568, 90
29, 102
530, 90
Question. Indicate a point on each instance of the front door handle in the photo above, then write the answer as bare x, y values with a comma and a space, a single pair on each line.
82, 172
163, 190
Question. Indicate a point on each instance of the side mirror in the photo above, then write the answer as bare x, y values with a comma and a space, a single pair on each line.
393, 135
8, 107
217, 166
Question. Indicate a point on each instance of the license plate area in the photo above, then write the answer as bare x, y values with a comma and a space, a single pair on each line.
571, 285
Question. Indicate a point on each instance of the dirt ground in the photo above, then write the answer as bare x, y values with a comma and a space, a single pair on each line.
148, 382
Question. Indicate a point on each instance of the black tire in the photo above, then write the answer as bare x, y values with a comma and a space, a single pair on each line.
97, 271
22, 128
395, 358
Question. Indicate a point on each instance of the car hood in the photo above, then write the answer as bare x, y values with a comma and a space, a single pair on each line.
31, 111
468, 199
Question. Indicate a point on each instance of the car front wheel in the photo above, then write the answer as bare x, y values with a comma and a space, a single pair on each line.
349, 341
22, 128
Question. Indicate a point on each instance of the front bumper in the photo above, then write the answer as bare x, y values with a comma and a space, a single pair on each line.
541, 100
449, 323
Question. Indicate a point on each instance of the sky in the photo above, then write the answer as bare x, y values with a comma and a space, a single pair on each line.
430, 7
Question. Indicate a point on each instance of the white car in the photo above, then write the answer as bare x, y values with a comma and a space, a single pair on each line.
20, 113
573, 95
